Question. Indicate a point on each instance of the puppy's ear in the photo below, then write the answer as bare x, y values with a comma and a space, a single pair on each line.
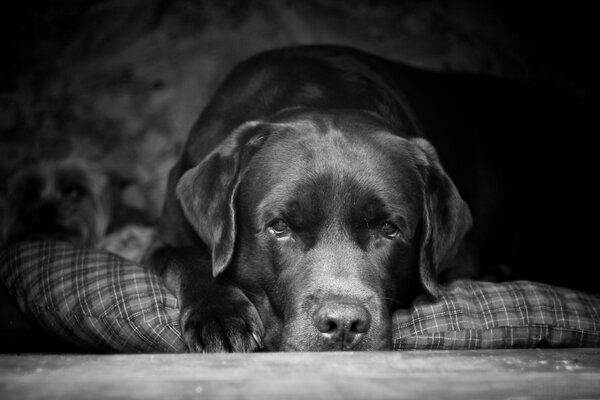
207, 192
446, 216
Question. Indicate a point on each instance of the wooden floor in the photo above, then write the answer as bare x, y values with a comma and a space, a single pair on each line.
499, 374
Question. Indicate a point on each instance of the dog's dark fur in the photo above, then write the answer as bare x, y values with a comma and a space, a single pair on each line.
307, 206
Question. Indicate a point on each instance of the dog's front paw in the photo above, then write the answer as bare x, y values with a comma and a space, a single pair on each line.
225, 322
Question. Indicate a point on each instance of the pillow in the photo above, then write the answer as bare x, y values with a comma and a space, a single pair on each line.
484, 315
95, 300
101, 302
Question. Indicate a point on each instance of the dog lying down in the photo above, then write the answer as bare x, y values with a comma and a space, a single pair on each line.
311, 202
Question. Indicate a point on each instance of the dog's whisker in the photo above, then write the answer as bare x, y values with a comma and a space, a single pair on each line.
391, 299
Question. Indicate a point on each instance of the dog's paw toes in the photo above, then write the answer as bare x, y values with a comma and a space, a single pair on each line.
214, 330
237, 336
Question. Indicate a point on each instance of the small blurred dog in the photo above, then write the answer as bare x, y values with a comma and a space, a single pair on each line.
71, 200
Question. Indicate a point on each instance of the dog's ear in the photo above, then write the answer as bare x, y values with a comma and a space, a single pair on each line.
207, 191
446, 216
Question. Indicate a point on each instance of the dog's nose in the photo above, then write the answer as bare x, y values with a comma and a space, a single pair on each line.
343, 323
46, 213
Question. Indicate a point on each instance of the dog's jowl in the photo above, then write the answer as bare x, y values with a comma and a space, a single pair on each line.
313, 199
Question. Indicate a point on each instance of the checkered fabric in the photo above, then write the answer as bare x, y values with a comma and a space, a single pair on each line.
484, 315
93, 299
101, 302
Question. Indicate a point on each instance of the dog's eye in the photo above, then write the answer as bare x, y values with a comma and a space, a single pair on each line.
279, 228
73, 192
389, 230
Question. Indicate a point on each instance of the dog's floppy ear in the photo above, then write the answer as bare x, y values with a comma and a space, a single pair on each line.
207, 192
446, 216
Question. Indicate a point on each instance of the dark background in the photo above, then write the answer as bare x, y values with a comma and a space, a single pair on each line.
120, 82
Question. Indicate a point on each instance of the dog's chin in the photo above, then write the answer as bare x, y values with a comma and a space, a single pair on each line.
297, 337
317, 344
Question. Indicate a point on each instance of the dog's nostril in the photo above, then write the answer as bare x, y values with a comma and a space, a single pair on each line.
325, 325
342, 322
359, 326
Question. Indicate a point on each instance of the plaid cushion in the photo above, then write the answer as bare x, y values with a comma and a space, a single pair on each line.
93, 299
483, 315
101, 302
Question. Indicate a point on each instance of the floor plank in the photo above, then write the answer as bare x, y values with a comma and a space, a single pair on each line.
493, 374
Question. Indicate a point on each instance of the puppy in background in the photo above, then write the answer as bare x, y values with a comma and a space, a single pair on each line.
75, 201
68, 200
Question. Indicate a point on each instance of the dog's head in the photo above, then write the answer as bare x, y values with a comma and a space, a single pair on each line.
68, 200
328, 221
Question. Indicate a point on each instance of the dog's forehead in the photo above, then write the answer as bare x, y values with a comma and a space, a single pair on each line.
313, 146
320, 156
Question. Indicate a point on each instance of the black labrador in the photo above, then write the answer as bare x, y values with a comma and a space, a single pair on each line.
309, 202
